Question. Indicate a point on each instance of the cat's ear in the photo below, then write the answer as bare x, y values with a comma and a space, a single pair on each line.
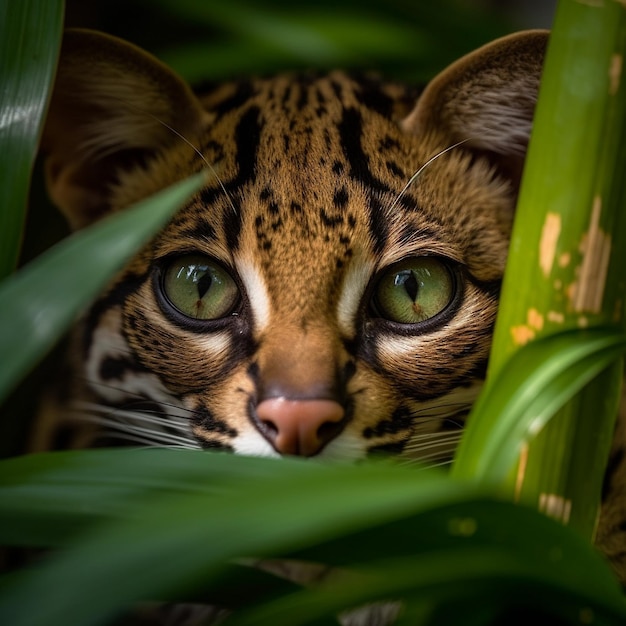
487, 98
111, 106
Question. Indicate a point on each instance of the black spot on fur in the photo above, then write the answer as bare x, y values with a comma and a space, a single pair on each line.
371, 96
387, 449
231, 223
113, 369
379, 226
401, 419
395, 169
203, 417
351, 131
117, 296
302, 97
389, 143
338, 168
216, 446
243, 93
329, 220
202, 229
340, 198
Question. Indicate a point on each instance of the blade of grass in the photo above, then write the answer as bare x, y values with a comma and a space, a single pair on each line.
43, 298
30, 36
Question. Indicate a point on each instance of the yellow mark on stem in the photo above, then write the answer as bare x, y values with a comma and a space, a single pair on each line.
535, 319
596, 248
564, 259
556, 317
583, 322
521, 471
555, 506
522, 334
547, 245
558, 284
615, 73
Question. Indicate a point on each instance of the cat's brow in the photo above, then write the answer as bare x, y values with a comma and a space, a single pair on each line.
415, 176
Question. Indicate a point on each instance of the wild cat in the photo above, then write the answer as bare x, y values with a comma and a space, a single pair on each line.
331, 293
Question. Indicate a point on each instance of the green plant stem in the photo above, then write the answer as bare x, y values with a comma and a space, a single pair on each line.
565, 269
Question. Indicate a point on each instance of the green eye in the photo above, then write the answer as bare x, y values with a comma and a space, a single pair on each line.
200, 288
414, 290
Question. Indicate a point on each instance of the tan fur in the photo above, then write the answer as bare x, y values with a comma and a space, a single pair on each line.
308, 206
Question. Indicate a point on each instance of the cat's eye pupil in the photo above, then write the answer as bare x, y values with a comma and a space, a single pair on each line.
204, 284
199, 287
414, 290
408, 281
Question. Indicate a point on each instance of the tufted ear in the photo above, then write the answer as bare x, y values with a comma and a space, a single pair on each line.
487, 98
111, 107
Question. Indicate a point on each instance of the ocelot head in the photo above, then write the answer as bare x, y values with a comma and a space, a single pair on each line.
332, 290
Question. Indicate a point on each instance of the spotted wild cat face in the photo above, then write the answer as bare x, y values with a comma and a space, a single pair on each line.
317, 297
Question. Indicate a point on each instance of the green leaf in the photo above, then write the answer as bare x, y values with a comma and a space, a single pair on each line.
30, 35
37, 306
531, 386
401, 531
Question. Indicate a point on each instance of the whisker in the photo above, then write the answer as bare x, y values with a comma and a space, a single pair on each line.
421, 169
210, 167
443, 439
442, 464
147, 416
206, 161
139, 397
142, 427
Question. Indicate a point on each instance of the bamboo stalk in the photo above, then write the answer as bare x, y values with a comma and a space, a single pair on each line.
566, 265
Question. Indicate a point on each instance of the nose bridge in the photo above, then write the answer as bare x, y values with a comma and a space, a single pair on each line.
299, 362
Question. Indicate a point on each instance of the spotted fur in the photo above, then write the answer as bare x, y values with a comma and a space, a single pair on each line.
313, 195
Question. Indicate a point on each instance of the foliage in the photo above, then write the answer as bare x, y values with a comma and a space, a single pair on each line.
131, 525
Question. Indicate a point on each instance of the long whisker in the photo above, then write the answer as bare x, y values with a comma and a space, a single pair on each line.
199, 153
421, 169
138, 427
210, 167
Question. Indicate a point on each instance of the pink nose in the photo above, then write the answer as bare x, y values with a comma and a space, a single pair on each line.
300, 427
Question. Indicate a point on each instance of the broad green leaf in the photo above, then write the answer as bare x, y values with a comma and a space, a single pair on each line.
495, 576
153, 549
518, 402
30, 35
438, 535
37, 306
